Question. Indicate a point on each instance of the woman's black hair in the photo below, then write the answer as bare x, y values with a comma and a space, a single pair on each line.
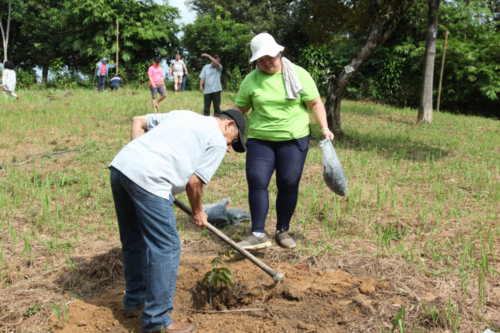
8, 65
254, 63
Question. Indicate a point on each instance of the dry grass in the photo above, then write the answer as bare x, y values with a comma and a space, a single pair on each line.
422, 212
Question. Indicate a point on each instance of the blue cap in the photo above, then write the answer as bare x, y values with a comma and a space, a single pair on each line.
104, 59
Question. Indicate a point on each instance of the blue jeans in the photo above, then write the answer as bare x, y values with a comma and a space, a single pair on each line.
101, 82
184, 79
288, 159
151, 250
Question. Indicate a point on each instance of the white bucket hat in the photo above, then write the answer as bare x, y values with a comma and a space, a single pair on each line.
264, 44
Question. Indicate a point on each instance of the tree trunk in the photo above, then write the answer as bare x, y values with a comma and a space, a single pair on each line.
45, 74
425, 108
382, 24
5, 35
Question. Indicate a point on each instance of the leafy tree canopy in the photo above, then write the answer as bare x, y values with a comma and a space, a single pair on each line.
147, 29
284, 19
217, 36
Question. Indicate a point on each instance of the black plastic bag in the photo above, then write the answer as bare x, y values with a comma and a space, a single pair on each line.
236, 216
219, 216
217, 212
332, 170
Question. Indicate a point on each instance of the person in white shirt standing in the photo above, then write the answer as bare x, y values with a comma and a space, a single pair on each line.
210, 76
178, 69
9, 80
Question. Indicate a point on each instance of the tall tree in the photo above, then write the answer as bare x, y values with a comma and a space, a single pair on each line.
43, 27
224, 37
425, 108
5, 33
283, 19
147, 29
375, 20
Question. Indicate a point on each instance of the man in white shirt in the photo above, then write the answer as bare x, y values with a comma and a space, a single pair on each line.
168, 154
210, 76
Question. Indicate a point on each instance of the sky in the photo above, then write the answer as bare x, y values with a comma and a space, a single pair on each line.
186, 15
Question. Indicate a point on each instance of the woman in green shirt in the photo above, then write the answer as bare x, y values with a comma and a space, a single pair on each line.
280, 94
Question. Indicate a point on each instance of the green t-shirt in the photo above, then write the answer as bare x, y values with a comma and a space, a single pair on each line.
275, 118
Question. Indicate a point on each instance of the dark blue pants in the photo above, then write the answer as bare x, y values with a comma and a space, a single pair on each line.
287, 158
208, 98
184, 79
101, 82
151, 250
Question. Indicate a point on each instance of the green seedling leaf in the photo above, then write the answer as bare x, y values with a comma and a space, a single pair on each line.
399, 318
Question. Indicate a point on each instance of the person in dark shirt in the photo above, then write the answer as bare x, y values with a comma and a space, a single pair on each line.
116, 82
184, 77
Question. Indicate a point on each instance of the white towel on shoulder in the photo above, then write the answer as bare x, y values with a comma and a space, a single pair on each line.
292, 83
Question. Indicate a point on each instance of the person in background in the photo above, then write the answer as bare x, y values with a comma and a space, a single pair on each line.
178, 69
102, 73
9, 80
280, 93
116, 82
184, 77
210, 76
156, 84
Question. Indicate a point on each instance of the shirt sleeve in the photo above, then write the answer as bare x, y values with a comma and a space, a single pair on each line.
150, 71
311, 91
244, 99
203, 73
154, 119
209, 163
219, 68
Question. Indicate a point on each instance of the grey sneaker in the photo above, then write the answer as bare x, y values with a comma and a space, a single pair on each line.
253, 242
284, 239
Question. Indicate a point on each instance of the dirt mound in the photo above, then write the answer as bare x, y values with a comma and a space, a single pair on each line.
306, 301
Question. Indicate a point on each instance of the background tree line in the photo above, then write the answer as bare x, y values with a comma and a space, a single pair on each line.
384, 42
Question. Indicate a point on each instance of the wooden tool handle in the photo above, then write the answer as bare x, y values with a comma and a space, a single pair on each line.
276, 276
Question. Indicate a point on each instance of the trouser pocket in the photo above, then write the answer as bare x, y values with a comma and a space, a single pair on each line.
302, 143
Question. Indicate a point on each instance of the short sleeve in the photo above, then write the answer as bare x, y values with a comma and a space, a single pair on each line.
209, 163
244, 99
150, 71
308, 84
154, 119
203, 73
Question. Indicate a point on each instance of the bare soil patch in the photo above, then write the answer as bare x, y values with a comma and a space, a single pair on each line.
313, 301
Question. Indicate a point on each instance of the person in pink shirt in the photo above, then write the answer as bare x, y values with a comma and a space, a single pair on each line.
156, 84
102, 73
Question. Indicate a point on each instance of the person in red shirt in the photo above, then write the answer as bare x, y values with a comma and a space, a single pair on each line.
156, 84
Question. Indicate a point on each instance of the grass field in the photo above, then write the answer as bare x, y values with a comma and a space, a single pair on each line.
422, 211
